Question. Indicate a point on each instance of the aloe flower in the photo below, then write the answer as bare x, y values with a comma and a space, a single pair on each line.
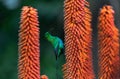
28, 62
78, 38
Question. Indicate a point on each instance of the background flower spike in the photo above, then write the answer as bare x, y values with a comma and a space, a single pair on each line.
78, 37
108, 44
28, 64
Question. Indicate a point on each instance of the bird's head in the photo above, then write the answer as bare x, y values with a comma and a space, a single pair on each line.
47, 34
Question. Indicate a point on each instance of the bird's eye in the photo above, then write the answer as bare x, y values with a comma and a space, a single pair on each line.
46, 34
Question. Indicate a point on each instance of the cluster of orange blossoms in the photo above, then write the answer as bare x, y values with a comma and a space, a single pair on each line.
78, 43
108, 43
28, 67
78, 32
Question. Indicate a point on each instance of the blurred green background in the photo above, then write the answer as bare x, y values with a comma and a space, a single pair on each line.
51, 19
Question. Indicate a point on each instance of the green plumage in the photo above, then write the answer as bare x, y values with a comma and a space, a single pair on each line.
56, 42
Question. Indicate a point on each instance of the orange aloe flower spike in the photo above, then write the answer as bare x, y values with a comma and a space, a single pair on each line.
28, 64
108, 44
78, 37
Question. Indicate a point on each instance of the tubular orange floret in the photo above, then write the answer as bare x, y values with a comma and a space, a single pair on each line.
78, 34
28, 64
108, 44
44, 77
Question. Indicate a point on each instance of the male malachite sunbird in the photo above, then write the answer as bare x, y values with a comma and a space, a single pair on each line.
56, 42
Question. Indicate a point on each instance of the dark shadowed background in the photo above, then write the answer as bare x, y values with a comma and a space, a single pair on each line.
51, 19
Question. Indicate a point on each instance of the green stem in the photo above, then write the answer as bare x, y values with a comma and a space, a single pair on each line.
57, 69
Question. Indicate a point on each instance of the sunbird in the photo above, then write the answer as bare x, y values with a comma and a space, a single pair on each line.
56, 42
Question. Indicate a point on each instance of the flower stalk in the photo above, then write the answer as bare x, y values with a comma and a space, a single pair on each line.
78, 37
108, 44
28, 63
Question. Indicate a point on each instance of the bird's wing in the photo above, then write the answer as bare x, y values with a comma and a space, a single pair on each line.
57, 48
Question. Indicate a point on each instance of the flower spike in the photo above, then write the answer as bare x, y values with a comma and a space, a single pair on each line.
28, 64
108, 44
78, 37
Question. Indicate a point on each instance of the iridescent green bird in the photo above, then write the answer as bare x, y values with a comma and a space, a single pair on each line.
56, 42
